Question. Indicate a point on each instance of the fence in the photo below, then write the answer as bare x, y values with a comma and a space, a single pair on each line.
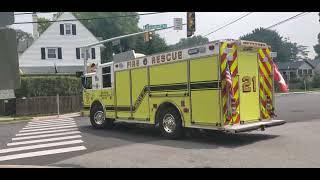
48, 105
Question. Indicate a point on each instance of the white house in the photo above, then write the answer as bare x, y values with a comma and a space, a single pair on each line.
56, 50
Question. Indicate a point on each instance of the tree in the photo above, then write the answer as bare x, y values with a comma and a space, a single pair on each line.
43, 24
285, 49
112, 27
22, 36
187, 42
317, 48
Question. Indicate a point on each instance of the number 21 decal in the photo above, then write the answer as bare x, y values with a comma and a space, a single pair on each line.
246, 84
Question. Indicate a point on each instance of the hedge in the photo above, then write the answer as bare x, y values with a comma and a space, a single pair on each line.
33, 86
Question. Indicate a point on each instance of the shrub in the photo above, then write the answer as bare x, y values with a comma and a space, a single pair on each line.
316, 81
32, 86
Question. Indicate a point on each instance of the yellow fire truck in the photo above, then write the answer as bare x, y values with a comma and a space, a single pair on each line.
186, 88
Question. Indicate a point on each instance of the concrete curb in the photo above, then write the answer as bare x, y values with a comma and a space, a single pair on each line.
70, 115
26, 166
307, 92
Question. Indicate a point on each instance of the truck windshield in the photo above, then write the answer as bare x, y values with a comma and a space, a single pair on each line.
87, 82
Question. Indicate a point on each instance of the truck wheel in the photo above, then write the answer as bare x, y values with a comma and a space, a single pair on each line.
98, 119
170, 123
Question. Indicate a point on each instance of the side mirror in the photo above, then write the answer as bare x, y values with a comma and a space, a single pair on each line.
83, 81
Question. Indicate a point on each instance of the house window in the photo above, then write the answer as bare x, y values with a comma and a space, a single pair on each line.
300, 72
309, 71
83, 53
68, 29
305, 71
106, 77
52, 53
293, 74
91, 53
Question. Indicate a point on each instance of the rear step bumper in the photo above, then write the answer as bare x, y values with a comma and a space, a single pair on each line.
253, 126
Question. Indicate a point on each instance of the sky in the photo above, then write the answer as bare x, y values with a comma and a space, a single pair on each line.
302, 30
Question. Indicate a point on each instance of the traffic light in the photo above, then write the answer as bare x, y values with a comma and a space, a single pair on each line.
148, 36
191, 23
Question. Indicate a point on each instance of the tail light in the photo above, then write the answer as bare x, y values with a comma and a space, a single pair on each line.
268, 104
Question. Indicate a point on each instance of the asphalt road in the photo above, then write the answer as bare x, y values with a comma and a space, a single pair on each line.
295, 144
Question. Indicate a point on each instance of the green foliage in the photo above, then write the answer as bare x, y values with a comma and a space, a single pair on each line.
285, 49
43, 25
316, 81
22, 36
188, 42
317, 47
33, 86
112, 27
294, 80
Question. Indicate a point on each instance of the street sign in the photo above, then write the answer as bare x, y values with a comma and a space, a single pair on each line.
177, 23
148, 27
6, 18
116, 42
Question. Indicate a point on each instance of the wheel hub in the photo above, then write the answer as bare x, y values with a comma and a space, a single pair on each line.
169, 123
99, 117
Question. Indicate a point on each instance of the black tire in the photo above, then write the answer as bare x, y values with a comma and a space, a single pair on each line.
105, 123
170, 111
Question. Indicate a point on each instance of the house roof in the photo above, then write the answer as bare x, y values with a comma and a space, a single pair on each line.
313, 63
290, 65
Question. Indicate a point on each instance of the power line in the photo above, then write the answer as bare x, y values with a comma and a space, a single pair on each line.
288, 19
238, 19
17, 14
121, 16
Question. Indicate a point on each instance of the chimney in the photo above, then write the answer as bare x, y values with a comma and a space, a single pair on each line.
35, 26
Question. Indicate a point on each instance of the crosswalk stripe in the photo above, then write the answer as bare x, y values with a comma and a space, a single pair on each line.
42, 153
55, 125
45, 124
39, 146
43, 140
33, 130
45, 135
49, 121
45, 132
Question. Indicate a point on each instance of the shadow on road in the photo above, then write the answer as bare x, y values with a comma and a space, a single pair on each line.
194, 139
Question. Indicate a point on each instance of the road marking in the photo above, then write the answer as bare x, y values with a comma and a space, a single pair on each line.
44, 140
56, 125
33, 130
46, 124
42, 153
49, 121
45, 132
45, 135
39, 146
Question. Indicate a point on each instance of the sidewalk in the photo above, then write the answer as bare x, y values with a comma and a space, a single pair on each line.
302, 92
20, 119
26, 166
